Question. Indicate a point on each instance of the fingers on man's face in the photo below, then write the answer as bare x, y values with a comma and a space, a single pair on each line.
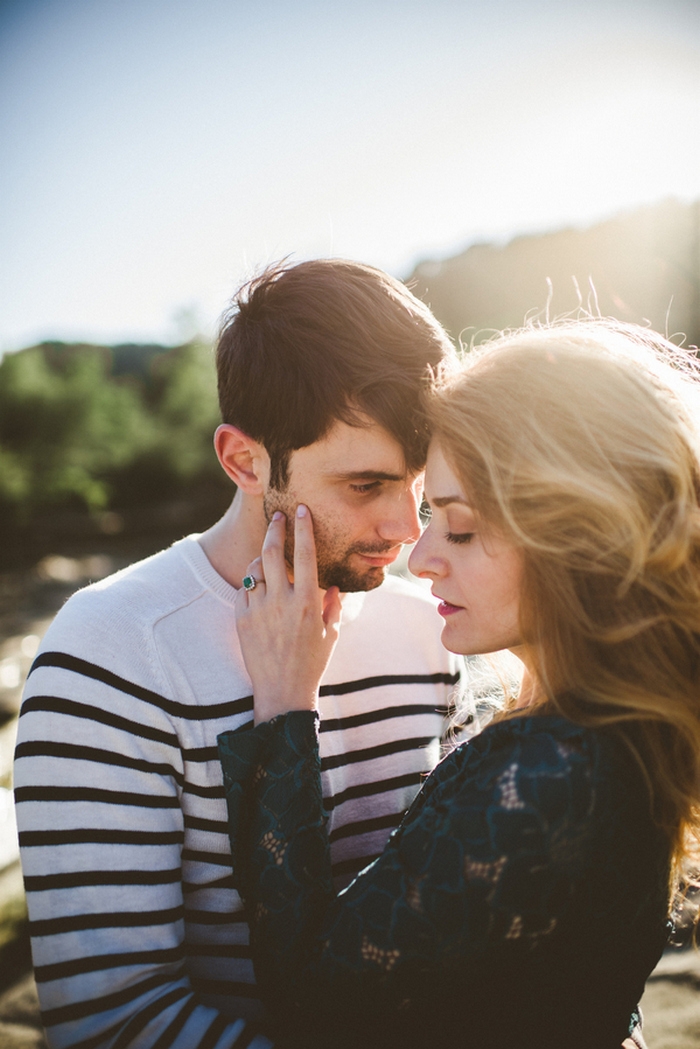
305, 570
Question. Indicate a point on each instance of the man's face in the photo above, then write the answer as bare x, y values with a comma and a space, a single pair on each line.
363, 501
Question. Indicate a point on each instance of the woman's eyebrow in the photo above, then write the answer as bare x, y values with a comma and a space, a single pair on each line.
445, 500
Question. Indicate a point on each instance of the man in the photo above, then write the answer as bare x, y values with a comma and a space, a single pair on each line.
138, 936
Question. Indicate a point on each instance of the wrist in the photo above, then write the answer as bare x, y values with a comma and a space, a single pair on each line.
269, 705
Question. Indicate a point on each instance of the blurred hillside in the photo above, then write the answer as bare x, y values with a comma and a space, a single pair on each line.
99, 443
644, 266
102, 446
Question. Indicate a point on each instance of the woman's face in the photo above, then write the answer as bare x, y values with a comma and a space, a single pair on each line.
476, 576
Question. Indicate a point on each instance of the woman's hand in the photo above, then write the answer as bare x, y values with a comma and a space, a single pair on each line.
287, 631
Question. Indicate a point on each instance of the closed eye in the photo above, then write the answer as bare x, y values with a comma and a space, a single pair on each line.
459, 537
361, 489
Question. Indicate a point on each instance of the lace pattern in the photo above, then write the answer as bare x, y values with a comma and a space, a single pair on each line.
487, 860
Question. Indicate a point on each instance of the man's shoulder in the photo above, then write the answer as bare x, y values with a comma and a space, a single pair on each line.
113, 624
129, 601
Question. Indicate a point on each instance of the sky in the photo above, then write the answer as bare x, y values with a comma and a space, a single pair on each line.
156, 153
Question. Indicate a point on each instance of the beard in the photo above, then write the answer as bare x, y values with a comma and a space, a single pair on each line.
332, 554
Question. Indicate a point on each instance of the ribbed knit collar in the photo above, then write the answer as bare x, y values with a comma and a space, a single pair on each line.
204, 570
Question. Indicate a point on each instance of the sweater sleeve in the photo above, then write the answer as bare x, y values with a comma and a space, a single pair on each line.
484, 856
99, 779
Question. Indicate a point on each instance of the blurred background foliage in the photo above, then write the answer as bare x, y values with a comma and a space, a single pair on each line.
114, 443
106, 440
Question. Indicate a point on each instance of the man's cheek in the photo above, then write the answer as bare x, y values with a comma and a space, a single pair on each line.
289, 550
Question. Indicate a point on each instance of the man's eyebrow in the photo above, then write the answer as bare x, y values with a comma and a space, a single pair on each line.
369, 475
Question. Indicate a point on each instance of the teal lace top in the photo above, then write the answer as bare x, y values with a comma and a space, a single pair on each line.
522, 902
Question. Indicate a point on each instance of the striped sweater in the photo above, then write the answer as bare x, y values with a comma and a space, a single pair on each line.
138, 936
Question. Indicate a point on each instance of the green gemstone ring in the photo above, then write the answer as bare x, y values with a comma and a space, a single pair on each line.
249, 582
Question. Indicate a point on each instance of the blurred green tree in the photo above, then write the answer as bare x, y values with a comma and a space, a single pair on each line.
91, 427
187, 410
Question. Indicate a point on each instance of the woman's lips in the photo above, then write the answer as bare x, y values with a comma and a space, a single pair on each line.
446, 609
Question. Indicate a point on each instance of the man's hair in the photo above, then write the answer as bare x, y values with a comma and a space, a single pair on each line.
307, 345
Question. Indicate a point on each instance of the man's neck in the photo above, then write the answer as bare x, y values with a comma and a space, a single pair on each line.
236, 539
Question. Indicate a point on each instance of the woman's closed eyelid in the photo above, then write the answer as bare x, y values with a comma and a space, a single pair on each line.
459, 537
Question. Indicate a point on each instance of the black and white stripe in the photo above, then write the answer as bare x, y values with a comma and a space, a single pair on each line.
138, 935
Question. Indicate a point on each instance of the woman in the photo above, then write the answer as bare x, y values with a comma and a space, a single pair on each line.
525, 897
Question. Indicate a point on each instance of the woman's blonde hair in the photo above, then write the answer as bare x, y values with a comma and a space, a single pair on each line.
577, 442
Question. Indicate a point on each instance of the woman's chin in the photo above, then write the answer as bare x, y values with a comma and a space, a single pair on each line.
452, 641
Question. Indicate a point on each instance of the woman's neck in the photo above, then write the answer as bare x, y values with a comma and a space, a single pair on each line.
529, 685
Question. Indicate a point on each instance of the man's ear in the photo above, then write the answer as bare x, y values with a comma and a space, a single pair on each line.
245, 461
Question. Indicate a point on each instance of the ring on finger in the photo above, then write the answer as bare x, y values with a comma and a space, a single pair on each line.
250, 582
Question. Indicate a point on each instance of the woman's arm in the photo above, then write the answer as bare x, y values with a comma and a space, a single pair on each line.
469, 869
287, 630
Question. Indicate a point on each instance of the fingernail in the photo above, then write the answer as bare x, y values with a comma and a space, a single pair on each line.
301, 510
277, 516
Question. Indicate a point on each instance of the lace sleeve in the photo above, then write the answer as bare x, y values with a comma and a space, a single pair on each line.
484, 858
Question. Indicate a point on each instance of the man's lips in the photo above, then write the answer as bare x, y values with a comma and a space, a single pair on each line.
379, 560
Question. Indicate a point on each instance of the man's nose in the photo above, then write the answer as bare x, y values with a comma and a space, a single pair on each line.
401, 522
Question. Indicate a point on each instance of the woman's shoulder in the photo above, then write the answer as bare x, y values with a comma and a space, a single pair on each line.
545, 759
541, 738
549, 738
548, 762
524, 789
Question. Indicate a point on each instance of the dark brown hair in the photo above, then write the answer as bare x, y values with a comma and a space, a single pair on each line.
307, 345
